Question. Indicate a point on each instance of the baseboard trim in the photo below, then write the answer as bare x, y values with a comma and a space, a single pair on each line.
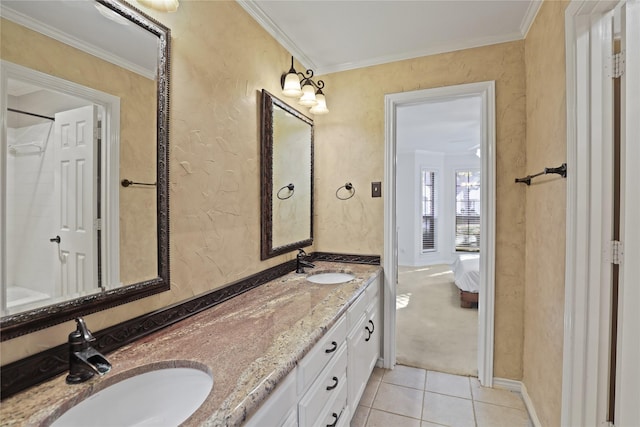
518, 386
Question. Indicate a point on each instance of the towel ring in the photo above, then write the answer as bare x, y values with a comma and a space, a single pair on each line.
291, 188
349, 187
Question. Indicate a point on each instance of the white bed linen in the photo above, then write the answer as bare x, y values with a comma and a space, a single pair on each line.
466, 272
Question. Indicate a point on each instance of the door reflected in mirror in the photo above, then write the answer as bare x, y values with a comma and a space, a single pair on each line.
287, 177
62, 168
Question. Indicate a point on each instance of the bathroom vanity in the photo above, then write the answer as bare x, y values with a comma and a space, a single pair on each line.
326, 386
289, 352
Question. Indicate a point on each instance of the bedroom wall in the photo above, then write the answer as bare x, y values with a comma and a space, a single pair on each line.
409, 167
409, 193
546, 209
350, 147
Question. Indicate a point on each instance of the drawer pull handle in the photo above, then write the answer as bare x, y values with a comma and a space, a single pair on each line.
373, 327
335, 384
336, 417
368, 336
331, 350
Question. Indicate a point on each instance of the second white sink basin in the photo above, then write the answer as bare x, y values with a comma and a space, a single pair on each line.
163, 397
330, 278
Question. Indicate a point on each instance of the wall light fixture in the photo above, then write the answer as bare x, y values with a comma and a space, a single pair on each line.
301, 86
161, 5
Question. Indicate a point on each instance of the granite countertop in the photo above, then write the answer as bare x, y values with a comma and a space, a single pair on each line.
248, 344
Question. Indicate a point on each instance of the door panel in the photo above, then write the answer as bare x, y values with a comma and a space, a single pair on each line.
628, 353
77, 205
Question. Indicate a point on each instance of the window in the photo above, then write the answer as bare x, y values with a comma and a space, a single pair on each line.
468, 210
428, 210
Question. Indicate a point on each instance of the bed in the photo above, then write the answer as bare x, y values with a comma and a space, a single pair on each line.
466, 275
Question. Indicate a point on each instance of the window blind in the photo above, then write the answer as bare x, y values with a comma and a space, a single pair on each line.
468, 210
428, 204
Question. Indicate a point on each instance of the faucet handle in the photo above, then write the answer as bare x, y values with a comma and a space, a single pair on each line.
83, 330
301, 252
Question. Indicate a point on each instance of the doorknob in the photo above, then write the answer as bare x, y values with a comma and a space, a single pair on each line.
55, 239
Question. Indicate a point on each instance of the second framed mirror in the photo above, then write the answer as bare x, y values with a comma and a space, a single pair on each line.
286, 178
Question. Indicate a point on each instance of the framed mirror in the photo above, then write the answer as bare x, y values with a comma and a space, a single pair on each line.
84, 160
287, 177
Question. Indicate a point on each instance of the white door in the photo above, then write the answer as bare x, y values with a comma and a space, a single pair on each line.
75, 189
627, 410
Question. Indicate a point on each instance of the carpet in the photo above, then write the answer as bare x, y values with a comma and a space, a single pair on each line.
433, 331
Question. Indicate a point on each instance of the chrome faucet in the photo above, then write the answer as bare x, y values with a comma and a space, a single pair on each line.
84, 360
301, 263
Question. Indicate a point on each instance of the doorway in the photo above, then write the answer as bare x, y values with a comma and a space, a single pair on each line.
59, 190
486, 92
438, 210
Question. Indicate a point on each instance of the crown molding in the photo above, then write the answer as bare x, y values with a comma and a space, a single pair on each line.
54, 33
253, 9
434, 50
529, 17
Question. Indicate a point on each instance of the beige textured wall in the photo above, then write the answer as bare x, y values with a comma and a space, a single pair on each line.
350, 147
221, 60
546, 209
22, 46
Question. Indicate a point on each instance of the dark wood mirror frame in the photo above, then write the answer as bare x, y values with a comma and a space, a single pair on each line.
13, 326
266, 182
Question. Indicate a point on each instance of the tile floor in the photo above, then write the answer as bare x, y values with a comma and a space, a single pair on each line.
412, 397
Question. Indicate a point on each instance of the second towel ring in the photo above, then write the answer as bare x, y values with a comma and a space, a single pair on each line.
291, 188
349, 187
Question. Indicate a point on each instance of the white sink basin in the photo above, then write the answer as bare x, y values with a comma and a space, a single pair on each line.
330, 278
162, 397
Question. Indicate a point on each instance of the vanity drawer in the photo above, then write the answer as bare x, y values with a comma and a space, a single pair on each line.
335, 414
277, 409
321, 354
325, 389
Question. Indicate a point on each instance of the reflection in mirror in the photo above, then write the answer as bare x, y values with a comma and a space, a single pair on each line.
80, 114
287, 178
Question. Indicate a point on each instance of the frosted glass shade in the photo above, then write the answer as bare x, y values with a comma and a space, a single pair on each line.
161, 5
321, 106
291, 86
308, 98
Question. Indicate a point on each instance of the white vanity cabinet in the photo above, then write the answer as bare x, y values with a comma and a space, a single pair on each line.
322, 381
326, 386
363, 341
280, 408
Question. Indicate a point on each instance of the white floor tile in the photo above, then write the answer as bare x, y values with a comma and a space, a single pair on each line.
406, 376
448, 410
399, 400
452, 385
387, 419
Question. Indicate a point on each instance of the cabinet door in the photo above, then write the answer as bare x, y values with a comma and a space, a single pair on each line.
357, 375
373, 329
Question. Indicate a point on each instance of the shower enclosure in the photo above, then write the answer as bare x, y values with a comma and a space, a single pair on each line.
51, 170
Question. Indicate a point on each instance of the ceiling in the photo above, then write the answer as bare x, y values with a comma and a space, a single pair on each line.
330, 36
91, 27
446, 126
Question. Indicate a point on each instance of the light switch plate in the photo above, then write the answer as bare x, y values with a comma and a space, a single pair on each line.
376, 189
